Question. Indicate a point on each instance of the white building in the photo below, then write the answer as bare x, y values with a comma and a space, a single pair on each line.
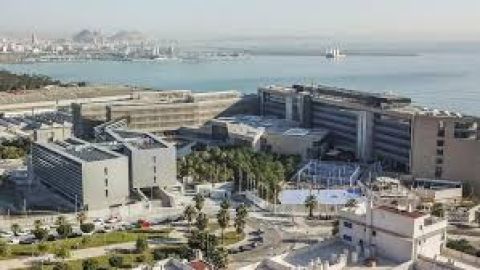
399, 235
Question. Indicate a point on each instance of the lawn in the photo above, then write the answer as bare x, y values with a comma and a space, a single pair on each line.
129, 260
94, 240
231, 237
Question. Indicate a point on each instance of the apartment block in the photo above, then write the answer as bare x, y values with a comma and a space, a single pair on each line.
400, 235
88, 176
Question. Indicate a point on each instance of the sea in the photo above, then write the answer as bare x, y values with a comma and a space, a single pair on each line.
446, 80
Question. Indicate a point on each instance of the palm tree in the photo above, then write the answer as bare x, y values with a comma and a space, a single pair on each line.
223, 218
61, 220
199, 201
240, 219
37, 224
310, 204
15, 229
202, 221
189, 213
81, 217
225, 204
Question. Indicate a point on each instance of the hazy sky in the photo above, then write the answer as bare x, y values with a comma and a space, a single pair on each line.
439, 19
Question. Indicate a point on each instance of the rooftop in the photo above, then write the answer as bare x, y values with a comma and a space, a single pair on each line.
136, 139
82, 150
405, 213
253, 124
58, 93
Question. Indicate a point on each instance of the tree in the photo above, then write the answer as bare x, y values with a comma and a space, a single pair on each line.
87, 227
64, 230
189, 213
219, 258
37, 224
241, 213
15, 228
81, 217
40, 234
310, 204
61, 220
437, 210
90, 264
202, 221
223, 219
115, 261
62, 252
61, 266
42, 248
4, 249
225, 204
199, 201
141, 244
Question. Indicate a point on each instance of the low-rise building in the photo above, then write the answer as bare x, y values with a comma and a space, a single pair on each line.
438, 191
462, 213
270, 134
152, 161
400, 235
42, 127
88, 176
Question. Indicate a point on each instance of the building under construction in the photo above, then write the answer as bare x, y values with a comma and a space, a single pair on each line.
161, 111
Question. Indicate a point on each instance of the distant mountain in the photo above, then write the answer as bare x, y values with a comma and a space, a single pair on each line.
87, 36
128, 36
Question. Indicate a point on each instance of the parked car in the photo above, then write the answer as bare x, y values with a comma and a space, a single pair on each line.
98, 222
6, 234
13, 240
27, 241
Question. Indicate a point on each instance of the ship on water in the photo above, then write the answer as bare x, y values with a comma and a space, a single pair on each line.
334, 53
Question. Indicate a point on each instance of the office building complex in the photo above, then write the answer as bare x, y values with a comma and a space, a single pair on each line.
88, 176
161, 111
152, 161
424, 142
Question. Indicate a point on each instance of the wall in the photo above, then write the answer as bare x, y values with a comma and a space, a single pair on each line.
94, 184
461, 156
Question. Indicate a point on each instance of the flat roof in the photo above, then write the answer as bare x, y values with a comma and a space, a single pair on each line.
254, 124
81, 150
137, 139
405, 213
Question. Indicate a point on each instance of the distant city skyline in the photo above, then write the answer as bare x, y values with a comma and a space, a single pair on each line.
190, 19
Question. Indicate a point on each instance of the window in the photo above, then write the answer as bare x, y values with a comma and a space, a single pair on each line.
421, 227
439, 161
154, 159
347, 238
440, 143
374, 233
106, 192
441, 129
106, 182
154, 179
439, 152
155, 169
105, 170
438, 172
347, 224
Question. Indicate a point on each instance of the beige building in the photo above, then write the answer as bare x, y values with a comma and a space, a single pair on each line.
161, 111
269, 134
408, 139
